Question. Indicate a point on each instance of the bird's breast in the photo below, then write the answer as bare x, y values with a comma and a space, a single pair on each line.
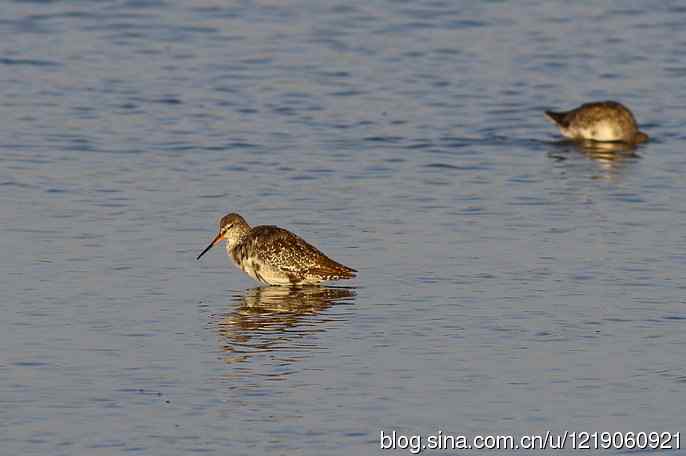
258, 269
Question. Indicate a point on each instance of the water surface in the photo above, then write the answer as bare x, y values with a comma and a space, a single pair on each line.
508, 283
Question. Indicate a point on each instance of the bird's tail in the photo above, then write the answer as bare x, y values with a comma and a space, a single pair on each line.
334, 272
559, 118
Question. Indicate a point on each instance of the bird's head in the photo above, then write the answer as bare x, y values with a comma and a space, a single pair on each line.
231, 228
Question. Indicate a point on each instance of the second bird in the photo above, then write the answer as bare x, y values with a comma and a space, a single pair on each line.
604, 121
274, 256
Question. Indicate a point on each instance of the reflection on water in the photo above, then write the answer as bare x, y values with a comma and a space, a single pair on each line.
278, 321
611, 157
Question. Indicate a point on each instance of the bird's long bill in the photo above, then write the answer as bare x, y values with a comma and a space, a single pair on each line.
214, 242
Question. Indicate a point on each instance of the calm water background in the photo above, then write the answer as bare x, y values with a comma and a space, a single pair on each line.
508, 284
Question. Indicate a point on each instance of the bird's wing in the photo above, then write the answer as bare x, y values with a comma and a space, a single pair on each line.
289, 253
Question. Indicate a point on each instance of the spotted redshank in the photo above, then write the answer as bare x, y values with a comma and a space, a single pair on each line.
604, 121
274, 256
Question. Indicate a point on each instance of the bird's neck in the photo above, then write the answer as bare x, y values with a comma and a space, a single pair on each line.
236, 236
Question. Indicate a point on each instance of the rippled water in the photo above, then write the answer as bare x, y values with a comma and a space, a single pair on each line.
509, 283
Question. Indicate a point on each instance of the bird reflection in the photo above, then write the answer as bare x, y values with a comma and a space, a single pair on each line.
611, 157
276, 322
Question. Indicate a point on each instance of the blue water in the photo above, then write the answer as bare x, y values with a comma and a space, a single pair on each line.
508, 283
